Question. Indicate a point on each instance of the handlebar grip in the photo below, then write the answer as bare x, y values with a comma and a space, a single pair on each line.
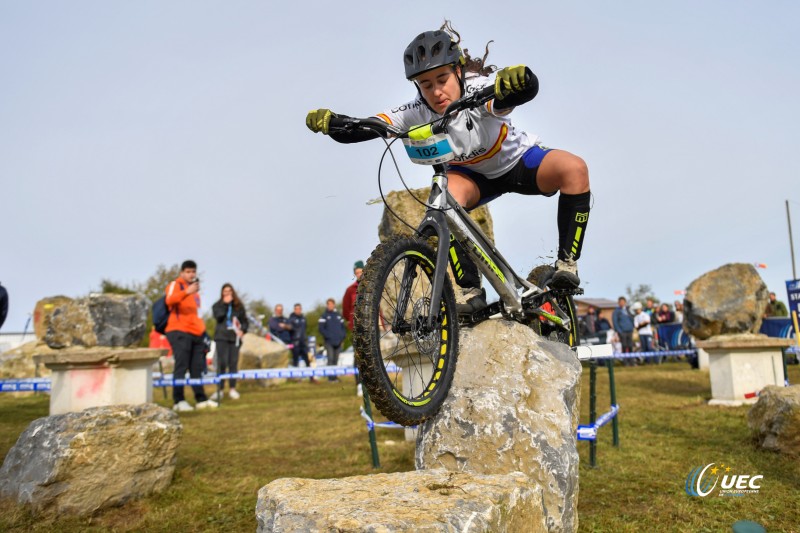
487, 93
337, 122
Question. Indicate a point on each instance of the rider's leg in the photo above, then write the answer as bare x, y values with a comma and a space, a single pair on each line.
567, 173
464, 190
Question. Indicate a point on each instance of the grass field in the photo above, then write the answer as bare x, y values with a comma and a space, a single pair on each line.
304, 430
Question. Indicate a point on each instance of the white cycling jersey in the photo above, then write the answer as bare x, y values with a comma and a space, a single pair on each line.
491, 147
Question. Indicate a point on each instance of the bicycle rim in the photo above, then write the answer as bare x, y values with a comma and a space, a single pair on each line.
392, 332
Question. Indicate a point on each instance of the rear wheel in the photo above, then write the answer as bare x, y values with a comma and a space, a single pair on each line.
392, 330
539, 276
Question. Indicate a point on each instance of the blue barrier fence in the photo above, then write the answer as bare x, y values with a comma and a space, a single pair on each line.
166, 380
658, 353
25, 385
589, 432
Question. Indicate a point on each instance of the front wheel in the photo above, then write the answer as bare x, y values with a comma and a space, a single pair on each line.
392, 332
539, 276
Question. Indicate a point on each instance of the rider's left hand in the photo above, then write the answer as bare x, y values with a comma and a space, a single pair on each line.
509, 80
319, 120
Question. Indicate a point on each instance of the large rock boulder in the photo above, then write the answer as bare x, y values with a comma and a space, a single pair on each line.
97, 320
78, 463
19, 363
513, 406
775, 419
429, 501
730, 299
411, 209
258, 352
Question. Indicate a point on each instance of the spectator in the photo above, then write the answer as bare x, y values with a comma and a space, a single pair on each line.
775, 307
603, 324
3, 304
349, 306
650, 308
679, 311
185, 331
664, 315
613, 339
591, 320
641, 321
232, 324
279, 326
623, 325
300, 344
333, 331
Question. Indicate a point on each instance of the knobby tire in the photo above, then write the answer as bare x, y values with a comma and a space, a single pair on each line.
376, 347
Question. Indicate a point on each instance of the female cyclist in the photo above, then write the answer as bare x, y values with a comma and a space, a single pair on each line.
492, 156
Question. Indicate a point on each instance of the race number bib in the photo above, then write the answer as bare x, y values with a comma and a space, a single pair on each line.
427, 148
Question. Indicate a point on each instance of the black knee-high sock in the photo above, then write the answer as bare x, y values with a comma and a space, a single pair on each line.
464, 269
573, 215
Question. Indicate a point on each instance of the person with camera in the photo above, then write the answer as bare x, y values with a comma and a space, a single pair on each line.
232, 324
185, 332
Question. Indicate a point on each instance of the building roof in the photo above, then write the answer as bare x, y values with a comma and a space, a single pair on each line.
599, 303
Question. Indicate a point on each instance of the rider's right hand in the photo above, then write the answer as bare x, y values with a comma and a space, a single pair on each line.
319, 120
509, 80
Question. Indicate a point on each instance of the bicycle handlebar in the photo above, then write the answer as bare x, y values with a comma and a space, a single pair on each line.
376, 125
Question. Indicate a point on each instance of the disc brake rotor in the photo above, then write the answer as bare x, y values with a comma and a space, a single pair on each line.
426, 339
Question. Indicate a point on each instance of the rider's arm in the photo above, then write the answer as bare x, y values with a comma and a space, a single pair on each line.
526, 94
351, 136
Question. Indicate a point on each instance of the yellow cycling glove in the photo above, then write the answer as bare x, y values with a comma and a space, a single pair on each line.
319, 120
509, 80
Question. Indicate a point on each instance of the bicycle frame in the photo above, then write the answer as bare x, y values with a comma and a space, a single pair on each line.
445, 217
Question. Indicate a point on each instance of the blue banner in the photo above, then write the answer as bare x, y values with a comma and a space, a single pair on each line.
672, 336
777, 326
793, 292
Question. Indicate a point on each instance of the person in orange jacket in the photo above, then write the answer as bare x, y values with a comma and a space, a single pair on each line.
185, 330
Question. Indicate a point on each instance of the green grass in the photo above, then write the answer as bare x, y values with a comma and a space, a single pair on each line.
300, 430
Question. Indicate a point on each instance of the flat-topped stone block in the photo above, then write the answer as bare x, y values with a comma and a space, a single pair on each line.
740, 365
744, 341
426, 500
96, 377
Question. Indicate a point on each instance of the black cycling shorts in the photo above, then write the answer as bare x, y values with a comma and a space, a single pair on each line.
521, 179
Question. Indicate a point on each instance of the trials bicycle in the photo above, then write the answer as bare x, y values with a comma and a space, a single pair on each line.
405, 312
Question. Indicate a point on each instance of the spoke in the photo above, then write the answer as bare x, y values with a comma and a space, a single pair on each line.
416, 347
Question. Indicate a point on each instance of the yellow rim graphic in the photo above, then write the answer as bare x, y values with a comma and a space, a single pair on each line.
440, 362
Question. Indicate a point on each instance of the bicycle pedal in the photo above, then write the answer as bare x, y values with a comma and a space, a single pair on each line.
480, 315
577, 291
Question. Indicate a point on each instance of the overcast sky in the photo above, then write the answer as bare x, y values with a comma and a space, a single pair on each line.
139, 133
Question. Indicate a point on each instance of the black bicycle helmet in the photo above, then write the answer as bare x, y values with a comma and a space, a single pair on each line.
430, 50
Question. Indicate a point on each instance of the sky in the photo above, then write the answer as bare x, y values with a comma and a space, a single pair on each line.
134, 134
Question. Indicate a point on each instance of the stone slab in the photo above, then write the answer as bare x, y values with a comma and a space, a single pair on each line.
421, 501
